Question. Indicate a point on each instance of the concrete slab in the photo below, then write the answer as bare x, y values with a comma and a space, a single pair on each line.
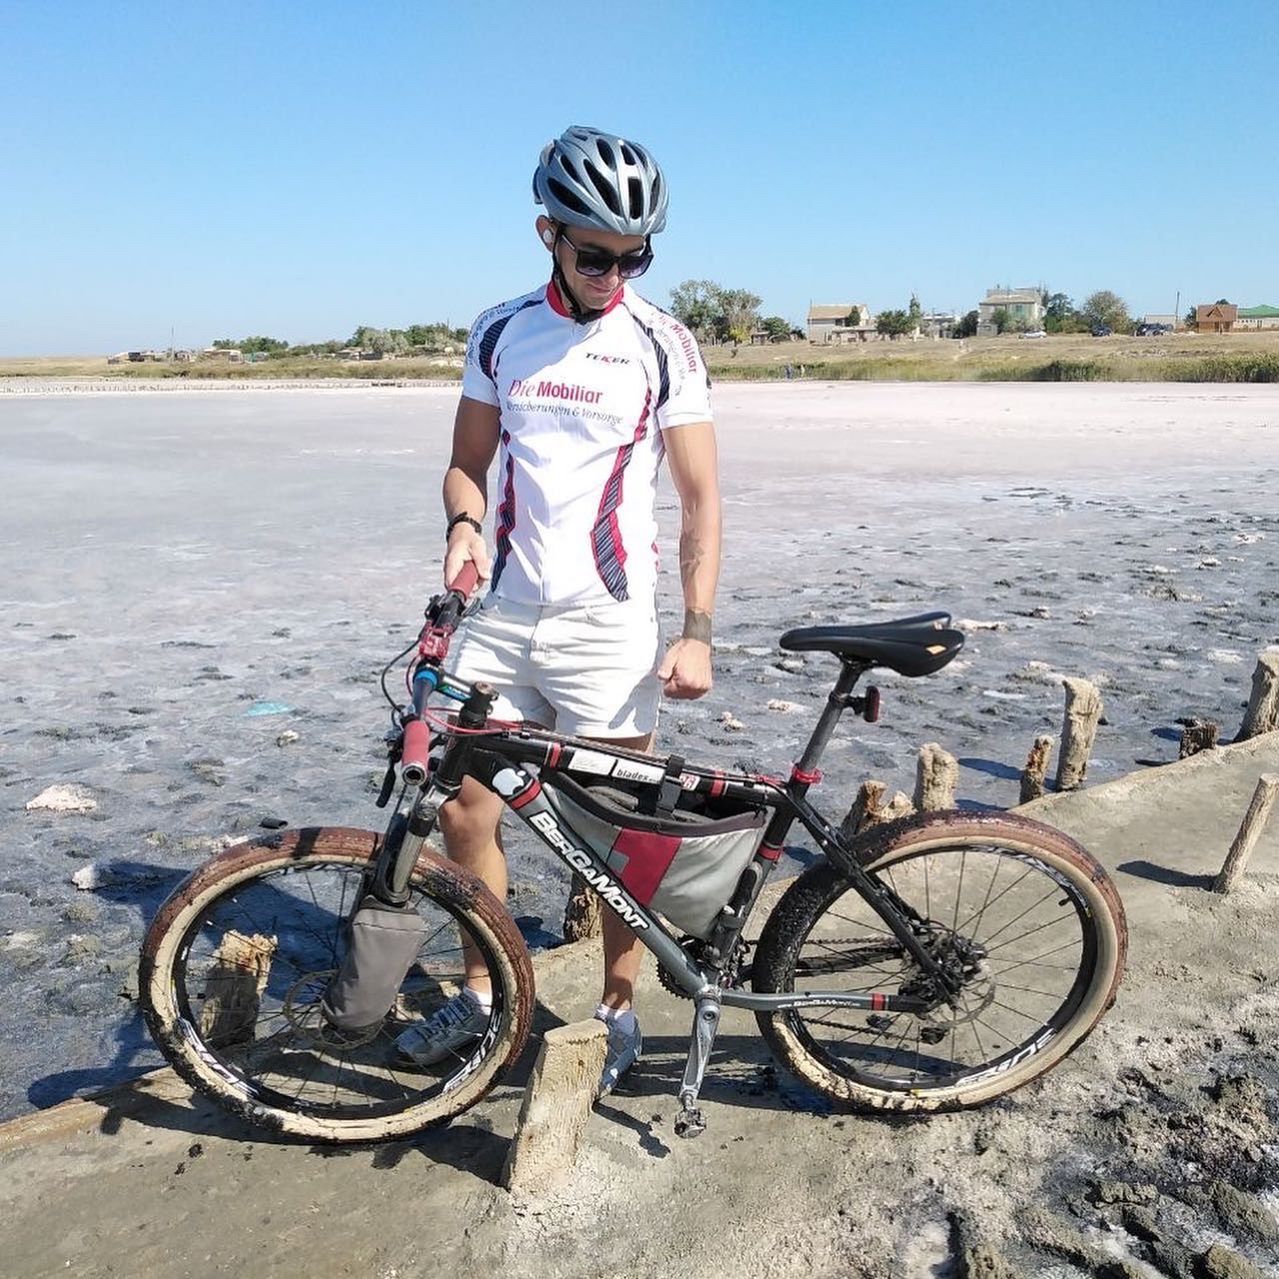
148, 1181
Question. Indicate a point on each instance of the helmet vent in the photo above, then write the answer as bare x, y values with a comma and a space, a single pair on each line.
608, 192
566, 197
606, 153
636, 190
628, 155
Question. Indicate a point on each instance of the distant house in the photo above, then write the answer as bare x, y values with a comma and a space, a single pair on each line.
1215, 317
1025, 309
937, 324
223, 354
830, 323
1258, 317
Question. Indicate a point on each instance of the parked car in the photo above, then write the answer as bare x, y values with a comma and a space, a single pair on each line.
1101, 330
1034, 333
1153, 330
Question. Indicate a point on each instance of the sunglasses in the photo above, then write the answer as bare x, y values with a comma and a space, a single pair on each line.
592, 261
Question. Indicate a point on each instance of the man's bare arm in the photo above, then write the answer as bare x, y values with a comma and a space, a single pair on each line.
690, 453
692, 458
475, 435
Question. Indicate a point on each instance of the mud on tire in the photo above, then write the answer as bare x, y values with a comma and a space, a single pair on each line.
248, 1060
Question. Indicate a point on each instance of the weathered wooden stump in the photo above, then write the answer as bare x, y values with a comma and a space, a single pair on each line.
869, 796
1250, 829
898, 806
557, 1104
1078, 732
233, 989
1036, 770
1262, 715
582, 914
1197, 735
936, 776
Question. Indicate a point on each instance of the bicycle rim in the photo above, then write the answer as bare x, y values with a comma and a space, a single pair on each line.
251, 968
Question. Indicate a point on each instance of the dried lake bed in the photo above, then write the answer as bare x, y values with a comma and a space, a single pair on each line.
199, 591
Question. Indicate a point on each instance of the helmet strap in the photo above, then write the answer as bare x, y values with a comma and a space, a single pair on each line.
580, 314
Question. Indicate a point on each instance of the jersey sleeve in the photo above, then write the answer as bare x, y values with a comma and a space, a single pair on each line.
477, 380
687, 394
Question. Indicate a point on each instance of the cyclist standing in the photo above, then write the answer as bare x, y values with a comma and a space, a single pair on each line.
580, 388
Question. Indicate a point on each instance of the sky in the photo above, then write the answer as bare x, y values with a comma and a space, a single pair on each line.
185, 173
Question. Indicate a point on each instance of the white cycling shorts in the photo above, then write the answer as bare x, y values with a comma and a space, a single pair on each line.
582, 669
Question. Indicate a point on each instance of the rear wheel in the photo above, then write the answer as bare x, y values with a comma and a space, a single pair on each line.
1025, 914
235, 965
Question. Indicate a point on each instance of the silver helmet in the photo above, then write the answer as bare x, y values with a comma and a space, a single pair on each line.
592, 179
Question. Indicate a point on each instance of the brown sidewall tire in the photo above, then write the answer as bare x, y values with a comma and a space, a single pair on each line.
811, 893
439, 878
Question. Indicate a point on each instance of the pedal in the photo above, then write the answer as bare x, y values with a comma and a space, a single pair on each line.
690, 1123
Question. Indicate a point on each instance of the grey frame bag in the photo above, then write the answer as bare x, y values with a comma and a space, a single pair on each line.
384, 942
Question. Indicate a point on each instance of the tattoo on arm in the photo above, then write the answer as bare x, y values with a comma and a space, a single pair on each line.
697, 625
691, 554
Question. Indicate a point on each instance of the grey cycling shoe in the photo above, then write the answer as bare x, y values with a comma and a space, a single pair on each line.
448, 1032
625, 1048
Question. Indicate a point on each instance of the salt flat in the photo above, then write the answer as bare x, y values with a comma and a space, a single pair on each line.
169, 563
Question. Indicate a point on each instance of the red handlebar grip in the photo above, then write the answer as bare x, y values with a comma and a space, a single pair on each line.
465, 581
415, 749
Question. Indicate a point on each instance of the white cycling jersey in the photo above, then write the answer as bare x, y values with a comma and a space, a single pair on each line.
583, 407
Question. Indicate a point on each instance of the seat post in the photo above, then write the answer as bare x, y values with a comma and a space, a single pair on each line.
850, 672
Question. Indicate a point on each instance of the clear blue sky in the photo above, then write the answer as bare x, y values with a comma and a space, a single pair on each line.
300, 169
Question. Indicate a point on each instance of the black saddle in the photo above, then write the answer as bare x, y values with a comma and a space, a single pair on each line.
910, 645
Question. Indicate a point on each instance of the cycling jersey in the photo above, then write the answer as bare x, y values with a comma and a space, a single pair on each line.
582, 408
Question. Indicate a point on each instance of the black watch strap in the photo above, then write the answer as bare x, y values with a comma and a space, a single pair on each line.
463, 518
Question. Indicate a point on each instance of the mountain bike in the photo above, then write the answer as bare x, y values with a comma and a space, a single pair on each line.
927, 964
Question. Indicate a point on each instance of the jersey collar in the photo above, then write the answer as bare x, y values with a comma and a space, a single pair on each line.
559, 306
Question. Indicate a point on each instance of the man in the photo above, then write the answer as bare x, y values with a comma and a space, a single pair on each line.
584, 387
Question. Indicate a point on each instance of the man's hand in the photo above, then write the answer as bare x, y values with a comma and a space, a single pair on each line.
685, 672
465, 544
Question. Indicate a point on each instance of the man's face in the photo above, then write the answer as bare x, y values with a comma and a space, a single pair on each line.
593, 291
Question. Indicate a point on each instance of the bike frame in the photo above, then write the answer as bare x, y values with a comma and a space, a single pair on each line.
514, 763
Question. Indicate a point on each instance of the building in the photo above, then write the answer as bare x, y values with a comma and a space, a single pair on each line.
1215, 317
1025, 309
1257, 317
830, 323
937, 324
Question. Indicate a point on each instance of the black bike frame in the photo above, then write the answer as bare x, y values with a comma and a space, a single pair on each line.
501, 760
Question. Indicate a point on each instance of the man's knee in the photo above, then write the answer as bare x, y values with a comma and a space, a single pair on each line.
471, 817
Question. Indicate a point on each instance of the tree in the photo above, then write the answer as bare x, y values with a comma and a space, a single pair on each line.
778, 330
1191, 318
914, 315
695, 304
710, 309
1108, 309
1060, 315
1002, 319
967, 327
892, 324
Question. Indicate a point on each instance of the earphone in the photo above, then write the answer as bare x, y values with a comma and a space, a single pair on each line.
548, 237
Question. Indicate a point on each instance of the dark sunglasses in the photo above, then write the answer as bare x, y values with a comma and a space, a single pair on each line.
593, 261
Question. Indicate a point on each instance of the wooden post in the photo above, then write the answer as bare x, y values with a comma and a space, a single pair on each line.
1262, 715
869, 796
582, 914
1254, 822
1032, 776
1197, 735
233, 989
1079, 729
936, 776
557, 1104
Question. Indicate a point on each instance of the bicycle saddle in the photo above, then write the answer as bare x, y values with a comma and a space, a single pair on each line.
910, 645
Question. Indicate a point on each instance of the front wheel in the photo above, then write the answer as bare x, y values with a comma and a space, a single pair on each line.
236, 963
1027, 917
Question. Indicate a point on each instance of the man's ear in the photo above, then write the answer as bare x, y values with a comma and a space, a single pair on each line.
546, 230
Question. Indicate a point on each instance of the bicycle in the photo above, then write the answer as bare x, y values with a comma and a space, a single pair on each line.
929, 964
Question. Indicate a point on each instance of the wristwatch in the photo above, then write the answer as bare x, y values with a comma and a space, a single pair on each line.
463, 518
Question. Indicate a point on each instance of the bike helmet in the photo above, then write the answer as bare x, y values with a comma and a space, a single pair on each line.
592, 179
